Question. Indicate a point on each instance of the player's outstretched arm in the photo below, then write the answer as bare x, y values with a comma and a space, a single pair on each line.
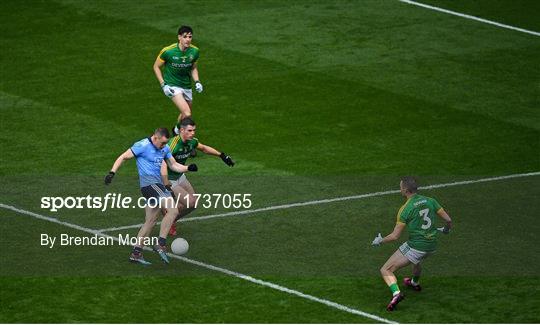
211, 151
396, 233
179, 168
446, 229
128, 154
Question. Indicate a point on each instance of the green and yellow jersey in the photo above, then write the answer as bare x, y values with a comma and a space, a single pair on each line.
178, 64
419, 213
180, 151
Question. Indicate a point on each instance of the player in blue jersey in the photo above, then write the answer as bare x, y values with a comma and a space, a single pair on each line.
150, 153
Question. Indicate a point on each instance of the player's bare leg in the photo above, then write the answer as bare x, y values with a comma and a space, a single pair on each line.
144, 232
168, 218
189, 205
186, 185
394, 263
146, 229
414, 282
183, 106
186, 203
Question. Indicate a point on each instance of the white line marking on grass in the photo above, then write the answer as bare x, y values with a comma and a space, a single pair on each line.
212, 267
471, 17
286, 290
124, 227
344, 198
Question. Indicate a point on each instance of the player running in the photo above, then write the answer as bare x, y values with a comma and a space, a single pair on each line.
418, 215
179, 64
150, 153
181, 147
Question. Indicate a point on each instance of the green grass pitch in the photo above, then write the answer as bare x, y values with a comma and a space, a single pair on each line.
315, 100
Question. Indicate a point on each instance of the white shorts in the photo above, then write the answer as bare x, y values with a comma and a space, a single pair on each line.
187, 93
413, 255
179, 181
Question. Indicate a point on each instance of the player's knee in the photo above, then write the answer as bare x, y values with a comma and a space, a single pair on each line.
172, 212
150, 223
192, 200
387, 269
170, 203
185, 112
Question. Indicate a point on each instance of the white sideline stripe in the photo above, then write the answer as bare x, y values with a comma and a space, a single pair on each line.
344, 198
287, 290
470, 17
212, 267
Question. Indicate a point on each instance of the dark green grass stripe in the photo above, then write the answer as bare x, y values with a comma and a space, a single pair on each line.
518, 13
465, 16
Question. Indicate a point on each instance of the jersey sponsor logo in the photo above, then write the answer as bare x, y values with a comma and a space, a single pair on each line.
182, 156
158, 161
181, 65
419, 202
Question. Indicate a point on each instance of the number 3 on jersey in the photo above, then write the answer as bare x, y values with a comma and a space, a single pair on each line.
427, 221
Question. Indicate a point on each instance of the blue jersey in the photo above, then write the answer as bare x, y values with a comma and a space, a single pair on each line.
149, 159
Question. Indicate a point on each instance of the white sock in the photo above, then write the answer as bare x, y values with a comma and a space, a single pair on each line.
176, 131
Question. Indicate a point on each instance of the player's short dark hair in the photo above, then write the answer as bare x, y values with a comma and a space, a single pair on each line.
185, 29
186, 121
162, 132
410, 184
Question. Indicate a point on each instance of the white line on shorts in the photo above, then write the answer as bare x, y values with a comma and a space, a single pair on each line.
212, 267
344, 198
471, 17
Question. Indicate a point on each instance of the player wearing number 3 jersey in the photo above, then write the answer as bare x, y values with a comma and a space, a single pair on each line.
419, 216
